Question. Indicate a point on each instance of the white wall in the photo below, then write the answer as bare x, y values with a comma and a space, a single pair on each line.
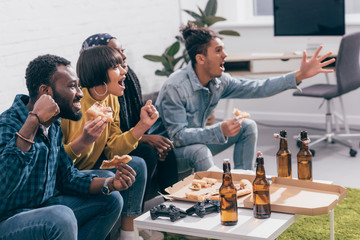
257, 36
32, 28
284, 106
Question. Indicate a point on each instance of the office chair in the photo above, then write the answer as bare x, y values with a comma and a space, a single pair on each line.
347, 69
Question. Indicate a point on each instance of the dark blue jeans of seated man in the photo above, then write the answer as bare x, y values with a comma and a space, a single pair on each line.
133, 196
71, 218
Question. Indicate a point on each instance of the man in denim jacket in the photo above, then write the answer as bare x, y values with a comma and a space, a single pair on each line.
187, 98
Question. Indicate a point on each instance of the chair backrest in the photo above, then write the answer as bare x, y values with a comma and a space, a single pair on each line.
348, 63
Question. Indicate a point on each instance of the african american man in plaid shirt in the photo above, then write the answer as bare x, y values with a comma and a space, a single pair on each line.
42, 195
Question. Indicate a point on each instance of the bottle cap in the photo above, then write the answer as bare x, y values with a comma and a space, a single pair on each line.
226, 160
276, 135
283, 133
226, 165
259, 158
303, 134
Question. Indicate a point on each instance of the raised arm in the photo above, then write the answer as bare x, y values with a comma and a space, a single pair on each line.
313, 66
44, 109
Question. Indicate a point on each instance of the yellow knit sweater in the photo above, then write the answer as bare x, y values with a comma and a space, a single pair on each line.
112, 141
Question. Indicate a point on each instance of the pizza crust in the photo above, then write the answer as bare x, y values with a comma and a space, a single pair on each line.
109, 164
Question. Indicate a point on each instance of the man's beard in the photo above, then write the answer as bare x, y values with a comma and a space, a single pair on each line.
65, 110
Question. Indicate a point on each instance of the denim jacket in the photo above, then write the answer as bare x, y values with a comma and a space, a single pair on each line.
184, 104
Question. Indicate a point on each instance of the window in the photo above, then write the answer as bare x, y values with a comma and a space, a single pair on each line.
265, 7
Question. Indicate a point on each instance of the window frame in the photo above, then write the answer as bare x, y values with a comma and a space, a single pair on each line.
245, 15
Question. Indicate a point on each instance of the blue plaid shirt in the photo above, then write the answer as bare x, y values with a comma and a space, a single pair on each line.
28, 179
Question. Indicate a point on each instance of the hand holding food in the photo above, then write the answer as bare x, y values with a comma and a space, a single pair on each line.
231, 127
98, 109
124, 177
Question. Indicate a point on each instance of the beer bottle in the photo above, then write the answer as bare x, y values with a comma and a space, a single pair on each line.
283, 157
261, 190
304, 158
228, 199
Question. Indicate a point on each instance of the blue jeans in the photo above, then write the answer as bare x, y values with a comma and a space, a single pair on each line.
133, 196
72, 218
200, 156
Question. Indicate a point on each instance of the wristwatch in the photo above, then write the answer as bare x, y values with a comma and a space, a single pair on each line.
105, 188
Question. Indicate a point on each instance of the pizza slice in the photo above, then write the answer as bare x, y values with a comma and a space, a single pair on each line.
109, 164
98, 109
240, 114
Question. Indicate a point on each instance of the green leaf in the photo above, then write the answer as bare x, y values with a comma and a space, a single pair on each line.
211, 8
173, 49
193, 14
198, 23
180, 39
176, 60
210, 20
166, 63
154, 58
202, 13
229, 33
161, 73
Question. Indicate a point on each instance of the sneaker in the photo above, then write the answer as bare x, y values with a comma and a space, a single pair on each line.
129, 235
139, 238
151, 234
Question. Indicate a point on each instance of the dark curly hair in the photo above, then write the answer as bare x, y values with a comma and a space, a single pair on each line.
93, 64
197, 40
40, 71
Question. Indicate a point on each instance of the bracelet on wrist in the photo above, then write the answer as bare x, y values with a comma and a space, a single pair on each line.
36, 115
112, 185
24, 138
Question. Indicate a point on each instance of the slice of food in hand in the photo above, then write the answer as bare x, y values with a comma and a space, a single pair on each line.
97, 109
240, 114
109, 164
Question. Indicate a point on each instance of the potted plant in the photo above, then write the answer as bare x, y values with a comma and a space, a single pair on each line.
170, 59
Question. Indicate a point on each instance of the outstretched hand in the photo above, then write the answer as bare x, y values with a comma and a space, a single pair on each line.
314, 65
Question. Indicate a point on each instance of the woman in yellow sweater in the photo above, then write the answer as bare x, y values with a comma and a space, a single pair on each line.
101, 78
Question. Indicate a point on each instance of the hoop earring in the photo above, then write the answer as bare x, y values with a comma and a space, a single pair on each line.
103, 94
